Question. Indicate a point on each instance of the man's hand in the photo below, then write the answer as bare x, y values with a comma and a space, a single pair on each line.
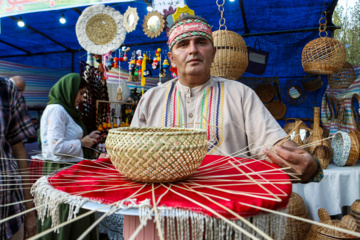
290, 155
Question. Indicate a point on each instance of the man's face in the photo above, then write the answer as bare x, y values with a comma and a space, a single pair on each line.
193, 56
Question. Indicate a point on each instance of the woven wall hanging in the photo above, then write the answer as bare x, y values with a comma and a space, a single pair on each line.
153, 24
131, 19
323, 55
294, 92
100, 29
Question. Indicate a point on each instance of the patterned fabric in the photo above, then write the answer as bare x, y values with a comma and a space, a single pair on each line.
211, 111
236, 120
188, 28
15, 126
319, 174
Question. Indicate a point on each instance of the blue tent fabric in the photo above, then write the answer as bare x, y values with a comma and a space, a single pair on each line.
262, 16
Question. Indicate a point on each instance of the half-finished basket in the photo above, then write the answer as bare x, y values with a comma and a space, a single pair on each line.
156, 154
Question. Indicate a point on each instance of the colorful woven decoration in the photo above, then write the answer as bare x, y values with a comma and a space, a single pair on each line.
323, 55
342, 79
100, 29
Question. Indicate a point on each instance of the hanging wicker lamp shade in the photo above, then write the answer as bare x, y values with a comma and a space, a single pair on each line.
231, 57
343, 78
323, 55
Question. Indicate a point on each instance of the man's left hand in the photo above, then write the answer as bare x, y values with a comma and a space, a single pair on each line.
289, 154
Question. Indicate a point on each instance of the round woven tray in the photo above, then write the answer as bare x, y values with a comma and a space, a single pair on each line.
156, 154
265, 91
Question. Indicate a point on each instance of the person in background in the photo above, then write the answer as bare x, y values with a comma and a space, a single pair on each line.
19, 83
15, 127
64, 141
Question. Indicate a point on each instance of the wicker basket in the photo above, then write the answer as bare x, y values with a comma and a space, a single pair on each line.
156, 154
355, 213
312, 82
324, 153
231, 57
265, 91
316, 135
296, 229
322, 233
323, 56
346, 148
342, 79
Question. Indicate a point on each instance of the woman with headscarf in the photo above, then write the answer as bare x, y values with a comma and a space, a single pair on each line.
64, 141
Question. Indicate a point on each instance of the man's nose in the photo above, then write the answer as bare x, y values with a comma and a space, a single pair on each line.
192, 47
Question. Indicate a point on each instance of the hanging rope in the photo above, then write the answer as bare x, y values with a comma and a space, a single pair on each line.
222, 20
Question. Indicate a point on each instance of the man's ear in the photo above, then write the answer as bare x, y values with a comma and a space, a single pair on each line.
214, 54
171, 59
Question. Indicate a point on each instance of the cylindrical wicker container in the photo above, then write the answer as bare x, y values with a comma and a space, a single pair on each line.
156, 154
342, 79
231, 57
355, 213
323, 56
346, 148
296, 229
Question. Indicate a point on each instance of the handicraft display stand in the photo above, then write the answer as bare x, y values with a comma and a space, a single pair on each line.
235, 189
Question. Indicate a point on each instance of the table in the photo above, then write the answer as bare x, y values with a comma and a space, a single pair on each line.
339, 187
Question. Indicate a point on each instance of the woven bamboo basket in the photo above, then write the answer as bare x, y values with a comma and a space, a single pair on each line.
296, 229
346, 148
156, 154
231, 59
322, 233
265, 92
316, 134
323, 56
355, 213
324, 153
312, 82
297, 138
343, 78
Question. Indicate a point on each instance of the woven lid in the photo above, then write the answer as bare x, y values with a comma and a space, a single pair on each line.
100, 29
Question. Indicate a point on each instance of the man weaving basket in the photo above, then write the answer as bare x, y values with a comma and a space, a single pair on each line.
237, 122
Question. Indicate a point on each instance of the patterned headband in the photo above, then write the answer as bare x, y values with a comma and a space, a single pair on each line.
188, 28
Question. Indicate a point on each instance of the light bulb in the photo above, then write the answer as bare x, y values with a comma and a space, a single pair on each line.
62, 19
232, 0
149, 8
20, 22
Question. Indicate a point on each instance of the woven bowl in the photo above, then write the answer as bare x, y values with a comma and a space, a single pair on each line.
156, 154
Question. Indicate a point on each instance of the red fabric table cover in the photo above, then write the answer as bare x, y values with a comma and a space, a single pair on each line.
100, 181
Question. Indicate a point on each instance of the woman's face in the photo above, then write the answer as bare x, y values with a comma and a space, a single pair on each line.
80, 96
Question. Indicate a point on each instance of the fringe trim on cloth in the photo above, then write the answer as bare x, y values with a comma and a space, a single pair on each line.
175, 223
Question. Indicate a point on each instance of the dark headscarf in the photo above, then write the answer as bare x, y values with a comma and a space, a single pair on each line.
64, 93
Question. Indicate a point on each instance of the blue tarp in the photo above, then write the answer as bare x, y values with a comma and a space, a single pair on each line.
261, 17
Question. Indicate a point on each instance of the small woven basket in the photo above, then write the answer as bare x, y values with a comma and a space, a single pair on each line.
231, 59
355, 213
156, 154
342, 79
312, 82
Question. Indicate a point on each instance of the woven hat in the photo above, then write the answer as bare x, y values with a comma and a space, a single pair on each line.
100, 29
